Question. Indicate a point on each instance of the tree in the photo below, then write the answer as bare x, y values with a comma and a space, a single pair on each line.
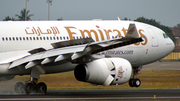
60, 18
21, 17
125, 18
157, 24
178, 25
8, 18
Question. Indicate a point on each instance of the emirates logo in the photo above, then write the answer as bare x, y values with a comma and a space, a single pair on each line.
120, 72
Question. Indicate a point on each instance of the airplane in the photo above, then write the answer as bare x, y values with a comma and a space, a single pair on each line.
106, 52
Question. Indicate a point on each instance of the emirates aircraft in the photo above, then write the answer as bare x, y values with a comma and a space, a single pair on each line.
99, 52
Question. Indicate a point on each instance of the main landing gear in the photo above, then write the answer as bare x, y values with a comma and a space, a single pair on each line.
135, 82
32, 86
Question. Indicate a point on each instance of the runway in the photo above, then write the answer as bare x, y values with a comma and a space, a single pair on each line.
96, 94
134, 94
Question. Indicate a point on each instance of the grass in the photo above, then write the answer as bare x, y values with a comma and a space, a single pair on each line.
149, 79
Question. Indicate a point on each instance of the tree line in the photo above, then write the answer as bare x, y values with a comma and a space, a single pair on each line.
23, 15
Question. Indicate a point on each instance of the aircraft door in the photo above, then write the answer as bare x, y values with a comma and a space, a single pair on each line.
154, 39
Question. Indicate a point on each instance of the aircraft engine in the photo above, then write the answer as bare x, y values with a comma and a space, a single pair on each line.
6, 77
105, 71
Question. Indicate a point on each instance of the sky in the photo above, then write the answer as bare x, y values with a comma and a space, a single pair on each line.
167, 12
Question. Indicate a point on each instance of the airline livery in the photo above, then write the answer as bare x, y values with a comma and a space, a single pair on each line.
99, 52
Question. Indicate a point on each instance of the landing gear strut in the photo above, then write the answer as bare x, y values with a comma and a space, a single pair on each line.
135, 82
32, 86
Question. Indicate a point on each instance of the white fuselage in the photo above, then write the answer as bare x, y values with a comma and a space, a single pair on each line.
17, 38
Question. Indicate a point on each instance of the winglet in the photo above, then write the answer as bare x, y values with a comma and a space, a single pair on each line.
118, 19
132, 31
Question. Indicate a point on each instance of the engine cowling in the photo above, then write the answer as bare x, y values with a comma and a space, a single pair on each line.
6, 77
105, 71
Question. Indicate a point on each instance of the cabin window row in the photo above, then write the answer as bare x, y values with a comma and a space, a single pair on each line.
40, 38
36, 38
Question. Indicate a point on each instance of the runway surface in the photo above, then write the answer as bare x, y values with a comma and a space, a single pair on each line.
96, 94
103, 94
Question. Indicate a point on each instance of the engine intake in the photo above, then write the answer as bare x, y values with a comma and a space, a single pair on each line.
80, 72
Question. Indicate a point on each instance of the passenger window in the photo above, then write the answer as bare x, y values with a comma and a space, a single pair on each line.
3, 38
20, 38
13, 38
17, 38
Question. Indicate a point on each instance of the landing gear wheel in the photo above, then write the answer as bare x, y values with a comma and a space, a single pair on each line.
131, 83
19, 88
137, 82
29, 88
41, 88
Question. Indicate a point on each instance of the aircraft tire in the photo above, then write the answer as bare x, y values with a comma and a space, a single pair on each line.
29, 88
131, 84
41, 88
137, 82
19, 88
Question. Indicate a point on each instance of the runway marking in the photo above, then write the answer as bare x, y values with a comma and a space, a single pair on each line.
92, 98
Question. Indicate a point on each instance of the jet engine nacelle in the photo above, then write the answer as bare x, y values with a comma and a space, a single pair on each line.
105, 71
6, 77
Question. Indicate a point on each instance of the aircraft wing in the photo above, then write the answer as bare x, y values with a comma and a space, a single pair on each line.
75, 49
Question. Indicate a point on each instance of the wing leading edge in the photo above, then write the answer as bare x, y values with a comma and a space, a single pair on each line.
75, 49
